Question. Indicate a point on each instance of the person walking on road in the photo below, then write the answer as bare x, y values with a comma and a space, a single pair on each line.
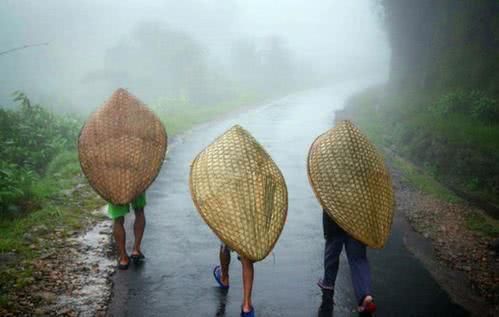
336, 238
241, 194
221, 275
121, 149
118, 213
354, 188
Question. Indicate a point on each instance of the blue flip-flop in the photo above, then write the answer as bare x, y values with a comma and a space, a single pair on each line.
248, 314
217, 274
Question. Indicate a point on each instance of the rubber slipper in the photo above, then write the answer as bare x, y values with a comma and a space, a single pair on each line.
251, 313
367, 309
123, 266
137, 257
217, 274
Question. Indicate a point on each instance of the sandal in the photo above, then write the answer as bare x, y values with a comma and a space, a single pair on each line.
137, 257
123, 266
251, 313
217, 274
367, 309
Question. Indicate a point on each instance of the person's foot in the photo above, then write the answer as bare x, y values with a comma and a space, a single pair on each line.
123, 263
222, 281
249, 312
327, 303
367, 306
327, 299
137, 256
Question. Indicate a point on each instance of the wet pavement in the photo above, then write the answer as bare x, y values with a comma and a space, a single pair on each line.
181, 251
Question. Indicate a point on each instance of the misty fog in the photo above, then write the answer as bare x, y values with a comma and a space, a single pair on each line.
201, 50
316, 88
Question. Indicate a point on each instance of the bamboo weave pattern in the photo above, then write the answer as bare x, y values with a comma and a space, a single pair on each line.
240, 193
352, 183
121, 148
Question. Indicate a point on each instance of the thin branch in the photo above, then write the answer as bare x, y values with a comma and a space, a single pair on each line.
22, 47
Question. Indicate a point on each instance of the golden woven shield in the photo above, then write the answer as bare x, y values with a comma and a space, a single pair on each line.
240, 193
121, 148
353, 185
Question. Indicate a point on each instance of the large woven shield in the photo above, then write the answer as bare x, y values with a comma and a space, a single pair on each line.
353, 185
121, 148
240, 193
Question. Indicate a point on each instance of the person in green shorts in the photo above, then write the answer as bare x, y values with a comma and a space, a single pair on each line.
118, 213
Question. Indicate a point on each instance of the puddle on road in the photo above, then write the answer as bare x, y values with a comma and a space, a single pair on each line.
93, 274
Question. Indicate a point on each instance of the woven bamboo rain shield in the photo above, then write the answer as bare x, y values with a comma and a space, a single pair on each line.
121, 148
240, 193
352, 183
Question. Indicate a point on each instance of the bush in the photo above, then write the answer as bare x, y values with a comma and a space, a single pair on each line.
477, 222
32, 136
63, 165
32, 142
484, 108
456, 101
457, 148
474, 103
15, 184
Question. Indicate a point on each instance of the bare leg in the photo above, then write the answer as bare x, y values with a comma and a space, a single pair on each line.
248, 274
224, 264
120, 237
138, 230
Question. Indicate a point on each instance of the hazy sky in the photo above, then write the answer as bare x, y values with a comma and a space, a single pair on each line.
324, 33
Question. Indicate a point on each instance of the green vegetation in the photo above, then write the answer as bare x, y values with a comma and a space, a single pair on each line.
30, 139
70, 212
440, 108
399, 131
31, 235
180, 115
480, 223
363, 109
439, 135
458, 148
423, 180
475, 104
38, 163
39, 174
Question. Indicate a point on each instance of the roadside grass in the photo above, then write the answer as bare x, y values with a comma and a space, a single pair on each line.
422, 180
374, 122
461, 129
19, 233
65, 201
181, 117
29, 236
483, 224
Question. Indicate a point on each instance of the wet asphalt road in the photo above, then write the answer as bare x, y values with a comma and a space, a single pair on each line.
176, 279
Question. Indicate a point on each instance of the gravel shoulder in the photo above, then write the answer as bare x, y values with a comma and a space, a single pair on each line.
459, 259
70, 277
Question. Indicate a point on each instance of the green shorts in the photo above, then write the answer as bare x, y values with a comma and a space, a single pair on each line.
116, 211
